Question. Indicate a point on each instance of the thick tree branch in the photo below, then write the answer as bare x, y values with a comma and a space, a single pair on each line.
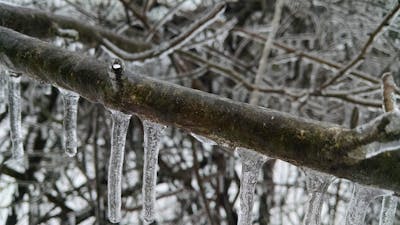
317, 145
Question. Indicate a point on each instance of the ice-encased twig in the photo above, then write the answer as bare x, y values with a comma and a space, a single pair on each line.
251, 166
152, 135
317, 184
70, 140
14, 101
175, 43
119, 129
388, 211
362, 197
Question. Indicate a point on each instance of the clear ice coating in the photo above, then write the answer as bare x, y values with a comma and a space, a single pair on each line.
358, 205
388, 211
317, 184
120, 125
14, 101
70, 140
3, 89
375, 148
203, 140
251, 166
152, 136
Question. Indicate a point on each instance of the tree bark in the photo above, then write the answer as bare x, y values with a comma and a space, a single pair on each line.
320, 146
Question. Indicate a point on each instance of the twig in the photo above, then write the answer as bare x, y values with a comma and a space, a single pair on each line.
164, 195
389, 88
238, 77
135, 11
385, 22
317, 59
81, 10
263, 63
163, 20
201, 187
173, 44
349, 98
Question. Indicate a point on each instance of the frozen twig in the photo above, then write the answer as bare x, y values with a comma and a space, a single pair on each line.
162, 21
263, 63
173, 44
344, 70
361, 75
388, 93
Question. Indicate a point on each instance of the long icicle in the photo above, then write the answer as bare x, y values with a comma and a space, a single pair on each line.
152, 135
119, 129
317, 184
358, 205
3, 89
251, 166
14, 101
70, 141
388, 211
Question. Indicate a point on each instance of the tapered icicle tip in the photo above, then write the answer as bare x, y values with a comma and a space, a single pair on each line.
71, 152
114, 217
146, 220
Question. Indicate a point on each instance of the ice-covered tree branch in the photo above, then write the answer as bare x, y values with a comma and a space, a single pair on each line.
317, 145
41, 24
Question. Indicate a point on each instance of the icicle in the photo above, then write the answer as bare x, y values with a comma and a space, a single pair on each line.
317, 184
152, 136
251, 165
388, 211
70, 100
359, 202
119, 129
203, 140
3, 89
14, 101
47, 89
230, 170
